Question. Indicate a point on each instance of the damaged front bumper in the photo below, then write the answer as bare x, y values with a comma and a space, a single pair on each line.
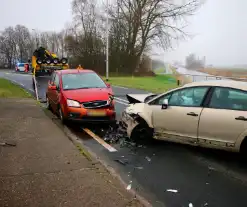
128, 122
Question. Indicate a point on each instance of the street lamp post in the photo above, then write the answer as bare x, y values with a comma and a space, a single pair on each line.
36, 37
107, 41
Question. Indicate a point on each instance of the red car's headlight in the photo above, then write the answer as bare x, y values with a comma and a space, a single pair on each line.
72, 103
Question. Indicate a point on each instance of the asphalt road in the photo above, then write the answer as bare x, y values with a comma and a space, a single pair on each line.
201, 177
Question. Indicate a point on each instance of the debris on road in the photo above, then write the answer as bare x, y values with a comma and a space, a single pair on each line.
172, 190
123, 162
115, 134
8, 143
148, 159
139, 168
128, 187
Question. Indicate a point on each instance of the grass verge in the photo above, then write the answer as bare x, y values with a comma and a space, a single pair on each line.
10, 90
159, 70
159, 83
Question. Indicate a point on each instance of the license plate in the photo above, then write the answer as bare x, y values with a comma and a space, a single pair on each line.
96, 113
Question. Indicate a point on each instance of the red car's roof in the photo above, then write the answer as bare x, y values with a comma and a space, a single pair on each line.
71, 71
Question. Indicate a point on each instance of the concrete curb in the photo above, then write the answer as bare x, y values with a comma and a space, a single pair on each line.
76, 141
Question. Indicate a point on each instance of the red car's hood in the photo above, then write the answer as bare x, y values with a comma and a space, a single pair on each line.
91, 94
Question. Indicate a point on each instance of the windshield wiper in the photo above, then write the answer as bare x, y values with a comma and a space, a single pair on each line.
75, 88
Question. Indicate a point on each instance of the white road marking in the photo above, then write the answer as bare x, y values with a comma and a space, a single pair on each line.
119, 99
16, 82
121, 87
100, 141
122, 103
18, 74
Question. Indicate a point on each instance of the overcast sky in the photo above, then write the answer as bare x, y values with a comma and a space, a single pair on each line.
220, 27
35, 14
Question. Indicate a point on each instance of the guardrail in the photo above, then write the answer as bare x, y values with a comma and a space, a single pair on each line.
195, 78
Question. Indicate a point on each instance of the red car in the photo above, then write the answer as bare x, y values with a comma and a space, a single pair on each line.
80, 95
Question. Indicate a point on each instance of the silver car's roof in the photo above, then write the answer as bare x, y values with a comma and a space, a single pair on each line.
223, 83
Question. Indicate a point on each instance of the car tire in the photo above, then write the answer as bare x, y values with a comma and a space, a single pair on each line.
243, 149
142, 133
39, 61
61, 115
48, 61
64, 61
55, 61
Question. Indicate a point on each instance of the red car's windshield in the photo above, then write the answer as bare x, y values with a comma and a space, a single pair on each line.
82, 80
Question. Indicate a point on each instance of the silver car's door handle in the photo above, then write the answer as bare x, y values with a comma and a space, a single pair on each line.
192, 114
241, 118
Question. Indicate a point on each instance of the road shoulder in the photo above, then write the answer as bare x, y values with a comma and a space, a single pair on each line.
45, 168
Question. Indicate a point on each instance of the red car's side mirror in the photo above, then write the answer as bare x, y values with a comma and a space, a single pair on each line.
53, 87
108, 85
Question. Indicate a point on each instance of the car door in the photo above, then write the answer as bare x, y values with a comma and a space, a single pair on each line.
55, 93
49, 91
179, 121
225, 118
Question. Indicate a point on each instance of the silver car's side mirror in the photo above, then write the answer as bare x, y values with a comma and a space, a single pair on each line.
164, 104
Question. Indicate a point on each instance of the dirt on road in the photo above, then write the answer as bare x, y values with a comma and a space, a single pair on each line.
40, 166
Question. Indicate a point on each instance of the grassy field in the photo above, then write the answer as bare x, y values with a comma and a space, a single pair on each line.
10, 90
159, 83
160, 70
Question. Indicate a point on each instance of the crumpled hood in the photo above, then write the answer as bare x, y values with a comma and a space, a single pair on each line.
86, 95
138, 98
135, 108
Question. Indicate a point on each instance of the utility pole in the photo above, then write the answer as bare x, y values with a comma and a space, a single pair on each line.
107, 41
36, 37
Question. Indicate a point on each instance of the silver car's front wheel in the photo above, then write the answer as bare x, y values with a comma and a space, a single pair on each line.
141, 133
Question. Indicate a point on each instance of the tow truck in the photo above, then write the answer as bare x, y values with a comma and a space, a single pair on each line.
43, 64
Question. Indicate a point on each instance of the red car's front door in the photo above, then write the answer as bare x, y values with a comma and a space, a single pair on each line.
55, 95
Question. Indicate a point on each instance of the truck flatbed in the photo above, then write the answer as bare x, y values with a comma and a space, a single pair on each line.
41, 87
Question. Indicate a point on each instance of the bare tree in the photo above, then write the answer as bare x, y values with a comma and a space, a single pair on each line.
194, 63
8, 45
86, 43
23, 42
140, 23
